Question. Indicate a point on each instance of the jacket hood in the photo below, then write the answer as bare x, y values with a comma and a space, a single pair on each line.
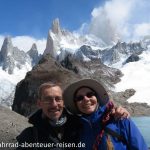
34, 118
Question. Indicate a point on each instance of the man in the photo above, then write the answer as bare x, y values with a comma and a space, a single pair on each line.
53, 126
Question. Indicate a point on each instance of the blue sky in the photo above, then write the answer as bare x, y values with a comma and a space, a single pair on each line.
34, 17
28, 21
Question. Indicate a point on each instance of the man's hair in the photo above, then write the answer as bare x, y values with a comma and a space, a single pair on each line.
46, 85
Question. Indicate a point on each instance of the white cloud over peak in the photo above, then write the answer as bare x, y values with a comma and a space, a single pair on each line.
25, 43
141, 30
124, 19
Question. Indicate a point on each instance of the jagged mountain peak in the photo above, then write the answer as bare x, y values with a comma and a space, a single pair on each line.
34, 47
58, 39
11, 57
6, 51
88, 47
34, 55
86, 53
7, 40
130, 46
51, 45
33, 50
7, 46
54, 39
121, 51
56, 27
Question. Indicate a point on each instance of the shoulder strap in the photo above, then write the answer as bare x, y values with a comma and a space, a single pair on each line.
117, 135
106, 118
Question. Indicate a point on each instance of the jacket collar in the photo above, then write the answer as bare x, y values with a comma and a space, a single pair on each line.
36, 117
92, 118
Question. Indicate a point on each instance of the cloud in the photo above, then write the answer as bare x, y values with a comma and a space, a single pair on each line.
141, 30
120, 19
25, 43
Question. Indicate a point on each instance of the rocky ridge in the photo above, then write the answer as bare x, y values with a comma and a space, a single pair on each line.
120, 50
112, 55
135, 109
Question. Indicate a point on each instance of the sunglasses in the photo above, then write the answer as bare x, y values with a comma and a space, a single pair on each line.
81, 97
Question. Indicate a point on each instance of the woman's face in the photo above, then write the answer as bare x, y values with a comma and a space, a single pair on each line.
86, 100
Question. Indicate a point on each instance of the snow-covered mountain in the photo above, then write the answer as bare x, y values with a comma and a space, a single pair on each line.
14, 64
8, 83
131, 58
133, 61
12, 58
59, 39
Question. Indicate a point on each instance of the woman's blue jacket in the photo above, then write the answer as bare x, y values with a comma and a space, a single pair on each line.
126, 128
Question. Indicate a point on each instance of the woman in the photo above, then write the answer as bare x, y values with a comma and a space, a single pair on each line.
100, 130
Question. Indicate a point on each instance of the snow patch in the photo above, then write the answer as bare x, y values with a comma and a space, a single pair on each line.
137, 76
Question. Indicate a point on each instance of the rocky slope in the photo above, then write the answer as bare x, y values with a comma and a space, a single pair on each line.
135, 109
65, 72
48, 69
12, 125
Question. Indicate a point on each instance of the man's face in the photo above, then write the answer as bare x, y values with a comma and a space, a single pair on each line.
51, 102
